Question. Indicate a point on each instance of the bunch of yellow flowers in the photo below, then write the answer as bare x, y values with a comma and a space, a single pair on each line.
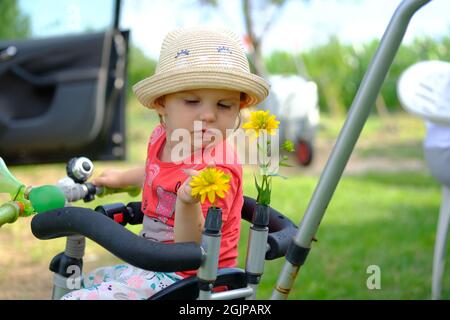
260, 124
212, 182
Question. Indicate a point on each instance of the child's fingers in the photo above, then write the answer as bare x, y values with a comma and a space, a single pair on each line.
98, 181
103, 182
211, 164
102, 179
188, 189
185, 194
190, 172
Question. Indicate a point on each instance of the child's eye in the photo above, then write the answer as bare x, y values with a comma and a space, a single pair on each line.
225, 106
191, 101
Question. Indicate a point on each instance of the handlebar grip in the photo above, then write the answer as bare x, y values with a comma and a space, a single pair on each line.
124, 244
132, 191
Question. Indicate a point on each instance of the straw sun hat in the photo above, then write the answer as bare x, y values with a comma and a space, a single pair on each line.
199, 58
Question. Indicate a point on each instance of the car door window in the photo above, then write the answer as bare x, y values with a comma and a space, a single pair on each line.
49, 18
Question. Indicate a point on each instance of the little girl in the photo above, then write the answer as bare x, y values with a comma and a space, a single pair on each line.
201, 82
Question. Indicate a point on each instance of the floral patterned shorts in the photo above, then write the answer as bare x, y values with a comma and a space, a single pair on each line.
122, 282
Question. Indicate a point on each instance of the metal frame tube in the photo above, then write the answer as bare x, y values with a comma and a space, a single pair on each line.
207, 273
233, 294
75, 247
256, 253
440, 245
59, 287
357, 116
117, 12
211, 237
257, 247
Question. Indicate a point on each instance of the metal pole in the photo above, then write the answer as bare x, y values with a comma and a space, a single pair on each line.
117, 10
257, 248
440, 245
211, 236
68, 264
357, 116
233, 294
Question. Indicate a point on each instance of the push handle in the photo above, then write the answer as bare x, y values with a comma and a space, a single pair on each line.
121, 242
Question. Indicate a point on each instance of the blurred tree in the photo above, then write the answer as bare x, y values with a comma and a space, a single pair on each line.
259, 15
140, 66
14, 24
338, 69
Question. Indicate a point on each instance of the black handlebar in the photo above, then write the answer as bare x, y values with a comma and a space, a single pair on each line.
124, 244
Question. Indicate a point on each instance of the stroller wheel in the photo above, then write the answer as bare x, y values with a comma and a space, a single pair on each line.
304, 152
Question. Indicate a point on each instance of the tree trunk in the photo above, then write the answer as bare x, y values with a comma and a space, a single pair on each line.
256, 53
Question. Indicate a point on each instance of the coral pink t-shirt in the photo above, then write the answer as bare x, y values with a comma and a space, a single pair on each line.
162, 180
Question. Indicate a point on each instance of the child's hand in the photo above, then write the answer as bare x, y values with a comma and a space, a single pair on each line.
110, 178
184, 192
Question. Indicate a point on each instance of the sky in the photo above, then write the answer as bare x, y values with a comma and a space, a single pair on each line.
297, 26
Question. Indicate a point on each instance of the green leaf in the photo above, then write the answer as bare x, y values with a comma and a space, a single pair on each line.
277, 175
257, 185
265, 197
283, 164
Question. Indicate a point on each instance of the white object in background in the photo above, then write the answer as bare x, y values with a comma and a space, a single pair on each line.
438, 136
294, 101
424, 89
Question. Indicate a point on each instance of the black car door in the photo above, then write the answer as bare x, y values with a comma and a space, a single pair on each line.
63, 96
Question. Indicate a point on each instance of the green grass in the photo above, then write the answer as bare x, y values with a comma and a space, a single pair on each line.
379, 219
384, 218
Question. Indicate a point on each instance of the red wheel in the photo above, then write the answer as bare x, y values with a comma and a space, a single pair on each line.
304, 152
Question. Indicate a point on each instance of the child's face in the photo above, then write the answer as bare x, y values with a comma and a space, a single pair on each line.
213, 108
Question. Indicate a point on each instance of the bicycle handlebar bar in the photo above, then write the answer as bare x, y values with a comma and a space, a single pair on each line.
9, 212
124, 244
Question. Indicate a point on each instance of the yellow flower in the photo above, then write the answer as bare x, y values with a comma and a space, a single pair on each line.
260, 121
210, 182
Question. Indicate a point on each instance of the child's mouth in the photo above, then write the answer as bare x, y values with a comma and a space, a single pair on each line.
206, 135
202, 132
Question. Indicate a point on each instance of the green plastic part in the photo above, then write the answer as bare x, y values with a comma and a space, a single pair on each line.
47, 197
8, 183
132, 191
9, 212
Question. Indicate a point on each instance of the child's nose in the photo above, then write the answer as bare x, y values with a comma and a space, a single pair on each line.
208, 116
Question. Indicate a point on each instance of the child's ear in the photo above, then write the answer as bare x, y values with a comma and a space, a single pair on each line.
160, 106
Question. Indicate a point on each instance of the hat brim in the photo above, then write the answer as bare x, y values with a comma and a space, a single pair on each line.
149, 89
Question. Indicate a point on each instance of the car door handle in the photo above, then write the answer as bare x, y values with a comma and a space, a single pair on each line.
8, 53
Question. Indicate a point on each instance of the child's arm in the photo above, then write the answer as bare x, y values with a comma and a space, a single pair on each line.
120, 179
189, 219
